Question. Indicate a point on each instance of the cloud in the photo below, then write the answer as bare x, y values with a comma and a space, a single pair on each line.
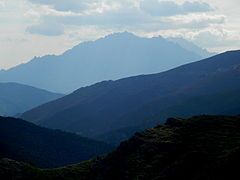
195, 21
2, 4
65, 5
129, 19
46, 28
148, 15
170, 8
152, 7
216, 38
83, 6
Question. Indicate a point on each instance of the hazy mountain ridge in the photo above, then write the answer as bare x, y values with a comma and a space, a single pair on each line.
202, 147
191, 47
137, 101
112, 57
24, 141
17, 98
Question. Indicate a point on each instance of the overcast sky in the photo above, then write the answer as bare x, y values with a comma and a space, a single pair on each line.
31, 28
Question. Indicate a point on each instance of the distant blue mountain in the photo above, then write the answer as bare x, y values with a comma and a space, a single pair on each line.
112, 57
17, 98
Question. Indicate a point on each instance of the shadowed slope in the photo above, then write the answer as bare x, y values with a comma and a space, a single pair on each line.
24, 141
137, 101
202, 147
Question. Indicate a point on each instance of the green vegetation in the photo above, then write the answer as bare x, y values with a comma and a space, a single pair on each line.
202, 147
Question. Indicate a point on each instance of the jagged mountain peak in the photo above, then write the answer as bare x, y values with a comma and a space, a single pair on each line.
115, 56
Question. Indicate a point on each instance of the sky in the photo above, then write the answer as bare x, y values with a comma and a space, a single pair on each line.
31, 28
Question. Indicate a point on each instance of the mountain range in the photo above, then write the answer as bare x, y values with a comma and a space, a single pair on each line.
209, 86
17, 98
202, 147
106, 127
113, 57
45, 148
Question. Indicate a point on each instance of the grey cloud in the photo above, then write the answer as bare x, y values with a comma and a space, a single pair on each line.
213, 39
65, 5
130, 18
46, 28
127, 20
170, 8
127, 17
152, 7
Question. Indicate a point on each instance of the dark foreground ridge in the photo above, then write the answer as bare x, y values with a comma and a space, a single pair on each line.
45, 148
202, 147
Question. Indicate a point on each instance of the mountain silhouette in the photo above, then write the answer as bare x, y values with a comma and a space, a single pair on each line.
113, 57
210, 86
